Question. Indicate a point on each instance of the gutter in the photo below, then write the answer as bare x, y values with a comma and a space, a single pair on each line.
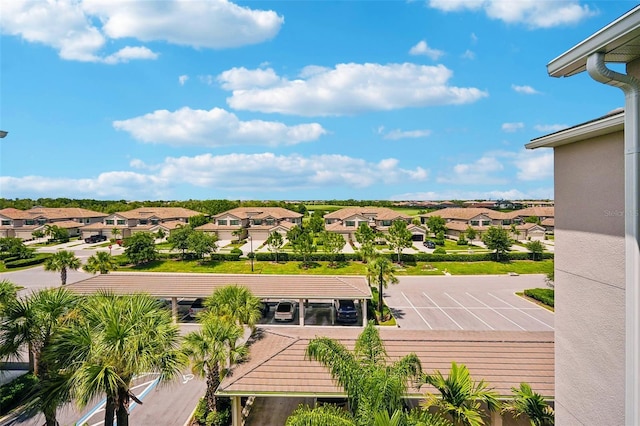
630, 85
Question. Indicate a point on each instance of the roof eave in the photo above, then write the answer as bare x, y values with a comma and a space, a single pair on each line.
607, 125
615, 35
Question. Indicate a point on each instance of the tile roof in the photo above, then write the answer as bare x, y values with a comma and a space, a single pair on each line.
51, 213
504, 359
67, 224
12, 213
260, 212
159, 212
202, 285
380, 213
550, 221
462, 213
215, 227
535, 211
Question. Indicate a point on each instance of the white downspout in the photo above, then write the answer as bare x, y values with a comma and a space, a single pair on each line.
631, 87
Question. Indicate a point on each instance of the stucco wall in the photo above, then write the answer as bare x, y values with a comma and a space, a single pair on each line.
589, 282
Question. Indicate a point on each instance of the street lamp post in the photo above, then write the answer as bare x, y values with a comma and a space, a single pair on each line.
251, 251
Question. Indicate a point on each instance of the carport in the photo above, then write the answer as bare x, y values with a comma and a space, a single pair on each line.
277, 366
173, 286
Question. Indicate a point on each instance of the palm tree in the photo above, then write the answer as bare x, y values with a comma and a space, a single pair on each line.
8, 294
114, 339
101, 262
209, 350
35, 321
371, 383
380, 270
60, 262
236, 303
324, 415
532, 405
461, 398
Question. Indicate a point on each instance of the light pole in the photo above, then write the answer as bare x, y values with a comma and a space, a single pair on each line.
251, 251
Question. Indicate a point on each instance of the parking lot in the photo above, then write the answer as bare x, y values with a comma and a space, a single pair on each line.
468, 303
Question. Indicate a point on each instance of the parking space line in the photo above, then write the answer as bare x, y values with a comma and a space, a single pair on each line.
508, 319
467, 309
531, 316
442, 310
419, 314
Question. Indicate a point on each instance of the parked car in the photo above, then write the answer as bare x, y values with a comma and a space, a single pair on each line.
345, 310
196, 307
285, 310
429, 244
95, 239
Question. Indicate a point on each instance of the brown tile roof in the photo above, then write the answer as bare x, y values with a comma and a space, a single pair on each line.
550, 221
260, 213
12, 213
67, 224
202, 285
215, 227
462, 213
504, 359
380, 213
64, 213
535, 211
338, 227
159, 212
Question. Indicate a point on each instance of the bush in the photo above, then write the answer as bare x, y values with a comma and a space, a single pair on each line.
212, 418
15, 392
462, 242
230, 257
36, 260
440, 250
544, 295
236, 250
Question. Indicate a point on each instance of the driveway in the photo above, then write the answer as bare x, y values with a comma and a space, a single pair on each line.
468, 303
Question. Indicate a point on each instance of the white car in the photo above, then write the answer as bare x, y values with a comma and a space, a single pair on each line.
285, 310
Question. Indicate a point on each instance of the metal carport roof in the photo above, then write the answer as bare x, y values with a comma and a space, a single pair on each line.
168, 285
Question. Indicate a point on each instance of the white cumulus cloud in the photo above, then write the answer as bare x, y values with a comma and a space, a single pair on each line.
182, 80
79, 29
423, 49
397, 134
527, 90
234, 174
531, 13
512, 127
345, 89
480, 172
213, 128
550, 128
534, 165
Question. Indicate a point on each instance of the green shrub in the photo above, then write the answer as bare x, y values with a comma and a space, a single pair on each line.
36, 260
439, 250
236, 250
230, 257
15, 392
544, 295
462, 242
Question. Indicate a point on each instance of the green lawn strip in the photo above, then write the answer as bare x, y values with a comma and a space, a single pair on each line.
536, 301
343, 268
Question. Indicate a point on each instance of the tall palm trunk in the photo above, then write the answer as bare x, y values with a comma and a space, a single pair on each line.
122, 409
213, 381
63, 276
380, 290
109, 411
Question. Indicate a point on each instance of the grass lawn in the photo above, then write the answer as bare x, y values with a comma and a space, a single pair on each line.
344, 268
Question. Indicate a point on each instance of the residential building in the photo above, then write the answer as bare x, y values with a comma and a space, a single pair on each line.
143, 219
346, 221
22, 223
597, 248
257, 222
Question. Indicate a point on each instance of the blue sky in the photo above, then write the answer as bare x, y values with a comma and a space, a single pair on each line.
293, 100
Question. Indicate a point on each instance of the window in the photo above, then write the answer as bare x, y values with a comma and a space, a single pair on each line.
154, 221
475, 223
350, 223
386, 223
270, 221
109, 222
6, 222
30, 222
42, 221
222, 221
506, 222
121, 222
257, 222
486, 222
234, 222
143, 221
87, 221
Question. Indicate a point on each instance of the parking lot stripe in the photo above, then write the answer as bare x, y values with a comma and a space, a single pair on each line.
419, 314
515, 307
442, 310
508, 319
467, 309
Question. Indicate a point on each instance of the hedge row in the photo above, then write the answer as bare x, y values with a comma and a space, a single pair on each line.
36, 260
420, 257
544, 295
15, 392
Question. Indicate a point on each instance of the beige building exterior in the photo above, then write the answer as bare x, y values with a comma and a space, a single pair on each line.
597, 245
22, 223
256, 222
